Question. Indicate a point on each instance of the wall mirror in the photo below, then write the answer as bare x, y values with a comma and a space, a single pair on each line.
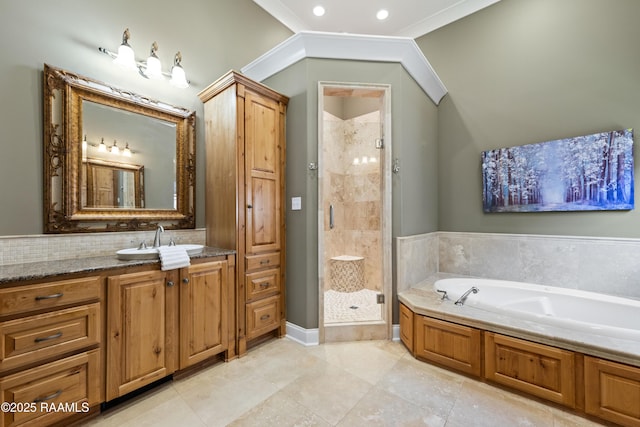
114, 160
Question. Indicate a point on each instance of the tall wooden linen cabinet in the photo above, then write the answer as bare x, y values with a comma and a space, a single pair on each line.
244, 202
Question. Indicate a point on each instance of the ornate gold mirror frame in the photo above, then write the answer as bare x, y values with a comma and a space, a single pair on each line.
64, 210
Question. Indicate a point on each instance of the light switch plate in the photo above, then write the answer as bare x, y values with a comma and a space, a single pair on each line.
296, 203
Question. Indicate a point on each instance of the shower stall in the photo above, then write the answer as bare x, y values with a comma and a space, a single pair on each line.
355, 211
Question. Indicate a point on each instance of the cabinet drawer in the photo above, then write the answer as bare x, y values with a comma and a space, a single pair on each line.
254, 262
263, 316
537, 369
22, 299
73, 382
262, 283
31, 339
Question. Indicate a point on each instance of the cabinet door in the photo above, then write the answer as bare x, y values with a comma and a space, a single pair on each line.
406, 326
537, 369
263, 153
612, 391
136, 342
448, 344
204, 302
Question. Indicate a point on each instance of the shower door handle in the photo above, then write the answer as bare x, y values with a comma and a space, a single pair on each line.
331, 216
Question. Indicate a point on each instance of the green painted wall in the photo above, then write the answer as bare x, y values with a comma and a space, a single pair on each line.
414, 136
524, 71
211, 35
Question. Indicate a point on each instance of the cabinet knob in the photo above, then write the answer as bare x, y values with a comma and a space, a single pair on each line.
170, 283
249, 206
185, 280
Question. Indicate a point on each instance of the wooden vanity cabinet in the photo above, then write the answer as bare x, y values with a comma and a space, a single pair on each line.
162, 321
244, 203
50, 349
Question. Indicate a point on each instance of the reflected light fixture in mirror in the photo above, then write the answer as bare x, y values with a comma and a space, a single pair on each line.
152, 67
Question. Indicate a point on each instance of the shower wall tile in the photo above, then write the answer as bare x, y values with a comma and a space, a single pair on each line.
354, 190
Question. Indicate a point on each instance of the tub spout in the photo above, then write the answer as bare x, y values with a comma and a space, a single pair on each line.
464, 296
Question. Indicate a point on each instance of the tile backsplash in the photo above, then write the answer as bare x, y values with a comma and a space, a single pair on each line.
52, 247
605, 265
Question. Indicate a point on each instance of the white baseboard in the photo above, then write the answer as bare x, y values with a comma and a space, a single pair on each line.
309, 337
395, 332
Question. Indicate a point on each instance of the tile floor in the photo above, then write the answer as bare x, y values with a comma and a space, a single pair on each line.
366, 383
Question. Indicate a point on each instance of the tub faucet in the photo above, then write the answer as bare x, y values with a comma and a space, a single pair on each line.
464, 296
156, 239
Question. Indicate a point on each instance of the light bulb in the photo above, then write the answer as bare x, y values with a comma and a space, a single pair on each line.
153, 68
126, 58
114, 149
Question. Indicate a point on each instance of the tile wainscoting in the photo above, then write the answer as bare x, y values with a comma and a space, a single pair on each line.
54, 247
604, 265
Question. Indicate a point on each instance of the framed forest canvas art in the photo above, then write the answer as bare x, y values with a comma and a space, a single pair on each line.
585, 173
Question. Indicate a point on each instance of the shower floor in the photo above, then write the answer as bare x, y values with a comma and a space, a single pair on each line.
344, 307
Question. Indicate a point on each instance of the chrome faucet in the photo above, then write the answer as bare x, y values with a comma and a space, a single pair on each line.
464, 296
156, 239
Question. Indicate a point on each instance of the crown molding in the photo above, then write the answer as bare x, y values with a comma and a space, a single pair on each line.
311, 44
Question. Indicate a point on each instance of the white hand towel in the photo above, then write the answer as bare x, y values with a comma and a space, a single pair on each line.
173, 257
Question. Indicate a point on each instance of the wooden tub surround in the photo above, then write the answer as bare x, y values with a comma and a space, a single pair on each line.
595, 376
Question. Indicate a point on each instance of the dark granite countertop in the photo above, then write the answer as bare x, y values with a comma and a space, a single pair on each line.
39, 270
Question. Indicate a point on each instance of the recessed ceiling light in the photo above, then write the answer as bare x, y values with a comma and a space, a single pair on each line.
382, 14
318, 10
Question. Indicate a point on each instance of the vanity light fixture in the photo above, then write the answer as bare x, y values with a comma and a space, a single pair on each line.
113, 149
151, 68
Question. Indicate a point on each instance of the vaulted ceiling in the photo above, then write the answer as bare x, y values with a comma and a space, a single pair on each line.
406, 18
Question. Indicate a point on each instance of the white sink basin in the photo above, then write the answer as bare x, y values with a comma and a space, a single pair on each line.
152, 253
192, 249
135, 253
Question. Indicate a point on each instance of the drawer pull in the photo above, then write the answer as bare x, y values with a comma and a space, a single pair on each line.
265, 285
50, 337
52, 296
264, 261
51, 396
265, 317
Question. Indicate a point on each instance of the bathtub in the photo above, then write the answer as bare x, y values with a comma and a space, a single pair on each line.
566, 308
